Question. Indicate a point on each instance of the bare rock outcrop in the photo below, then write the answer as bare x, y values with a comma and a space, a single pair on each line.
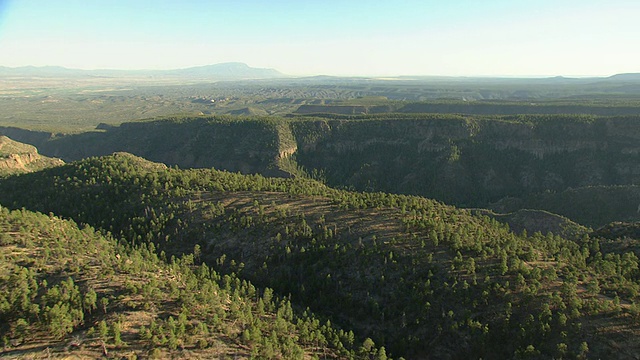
16, 157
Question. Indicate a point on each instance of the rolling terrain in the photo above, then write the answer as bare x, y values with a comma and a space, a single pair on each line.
322, 217
422, 279
67, 100
71, 292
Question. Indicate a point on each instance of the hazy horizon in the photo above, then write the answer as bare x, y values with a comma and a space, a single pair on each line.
494, 38
497, 76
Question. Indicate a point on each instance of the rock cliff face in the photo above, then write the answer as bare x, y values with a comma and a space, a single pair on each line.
16, 157
246, 146
462, 160
472, 108
472, 162
17, 162
480, 108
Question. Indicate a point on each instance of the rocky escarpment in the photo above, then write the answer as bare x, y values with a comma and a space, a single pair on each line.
472, 161
246, 145
472, 108
249, 145
16, 157
490, 108
467, 161
437, 132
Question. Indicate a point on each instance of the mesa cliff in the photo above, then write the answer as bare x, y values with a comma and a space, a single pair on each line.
463, 159
468, 161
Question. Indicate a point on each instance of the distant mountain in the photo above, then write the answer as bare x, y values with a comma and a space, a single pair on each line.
242, 71
223, 71
232, 70
626, 77
40, 71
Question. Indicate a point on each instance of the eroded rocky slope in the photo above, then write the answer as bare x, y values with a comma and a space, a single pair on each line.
17, 157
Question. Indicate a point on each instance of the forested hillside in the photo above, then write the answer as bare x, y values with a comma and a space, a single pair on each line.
71, 291
420, 278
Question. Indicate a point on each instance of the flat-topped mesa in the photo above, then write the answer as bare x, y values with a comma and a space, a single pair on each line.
469, 161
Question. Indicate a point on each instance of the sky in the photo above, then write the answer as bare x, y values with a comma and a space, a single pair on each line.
328, 37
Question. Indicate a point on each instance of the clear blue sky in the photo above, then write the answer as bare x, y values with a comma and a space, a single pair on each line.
401, 37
